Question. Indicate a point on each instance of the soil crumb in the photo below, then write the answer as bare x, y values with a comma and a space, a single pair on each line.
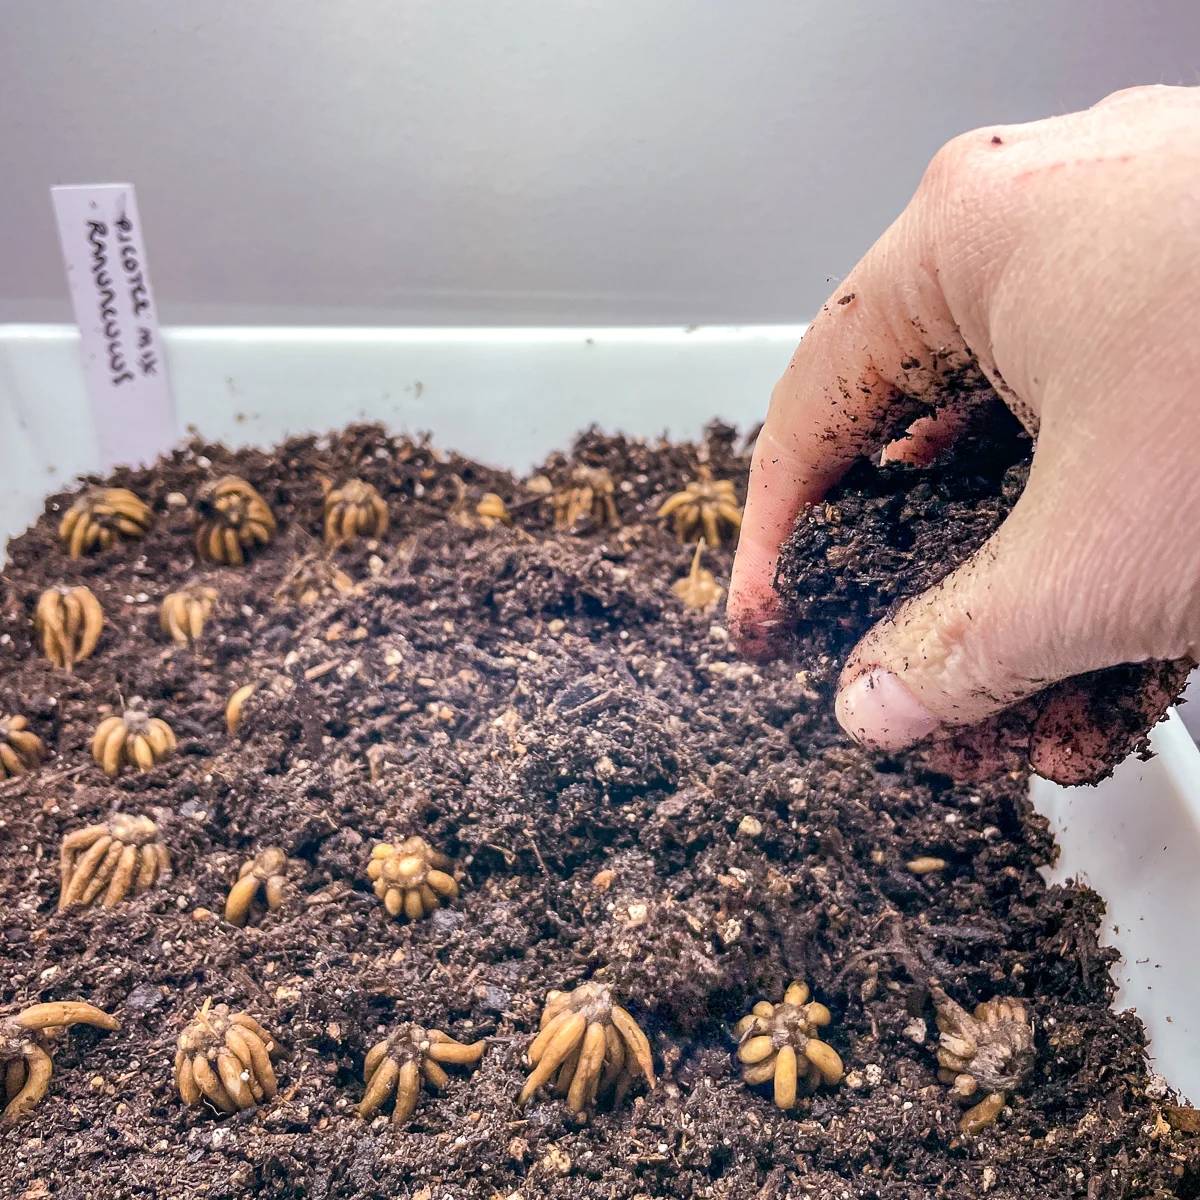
627, 801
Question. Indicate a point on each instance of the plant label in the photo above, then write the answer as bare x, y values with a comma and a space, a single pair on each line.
123, 362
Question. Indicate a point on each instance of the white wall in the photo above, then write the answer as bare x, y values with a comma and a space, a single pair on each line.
522, 161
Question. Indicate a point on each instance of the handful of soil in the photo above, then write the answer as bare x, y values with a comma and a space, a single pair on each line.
889, 532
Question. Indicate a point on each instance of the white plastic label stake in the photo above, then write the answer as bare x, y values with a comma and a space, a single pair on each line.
123, 361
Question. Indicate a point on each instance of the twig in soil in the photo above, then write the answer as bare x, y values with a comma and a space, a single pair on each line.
318, 899
404, 553
527, 502
536, 852
251, 987
896, 947
874, 952
508, 855
11, 786
967, 935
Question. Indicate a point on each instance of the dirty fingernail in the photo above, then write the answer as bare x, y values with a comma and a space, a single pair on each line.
756, 630
757, 641
877, 710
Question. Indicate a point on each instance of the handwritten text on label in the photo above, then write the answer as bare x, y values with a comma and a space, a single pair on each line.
105, 257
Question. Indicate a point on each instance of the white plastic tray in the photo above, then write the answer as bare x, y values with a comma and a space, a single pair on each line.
508, 396
1135, 838
505, 396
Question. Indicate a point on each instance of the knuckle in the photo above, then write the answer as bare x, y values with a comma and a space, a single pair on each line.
968, 174
953, 164
1138, 94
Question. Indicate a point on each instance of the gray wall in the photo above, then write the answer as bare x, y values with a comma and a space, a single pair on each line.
522, 161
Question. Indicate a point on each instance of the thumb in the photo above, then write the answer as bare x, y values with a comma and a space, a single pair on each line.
1002, 626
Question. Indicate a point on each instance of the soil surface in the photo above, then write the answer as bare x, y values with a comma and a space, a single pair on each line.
626, 800
887, 533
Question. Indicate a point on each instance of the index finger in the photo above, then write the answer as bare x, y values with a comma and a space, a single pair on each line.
881, 352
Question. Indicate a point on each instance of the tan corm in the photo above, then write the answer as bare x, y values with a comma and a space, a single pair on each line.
20, 750
487, 512
590, 494
134, 739
492, 511
110, 861
355, 509
236, 708
991, 1052
233, 518
225, 1057
398, 1065
411, 877
68, 622
270, 870
183, 613
25, 1053
707, 505
778, 1043
309, 578
101, 518
591, 1047
698, 588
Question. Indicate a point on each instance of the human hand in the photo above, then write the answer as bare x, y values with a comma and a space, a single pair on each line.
1063, 257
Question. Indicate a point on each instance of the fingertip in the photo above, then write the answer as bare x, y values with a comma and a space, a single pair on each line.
879, 712
757, 640
754, 611
755, 627
1089, 723
1068, 746
927, 438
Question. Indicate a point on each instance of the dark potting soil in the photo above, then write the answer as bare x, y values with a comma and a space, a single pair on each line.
628, 801
886, 533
